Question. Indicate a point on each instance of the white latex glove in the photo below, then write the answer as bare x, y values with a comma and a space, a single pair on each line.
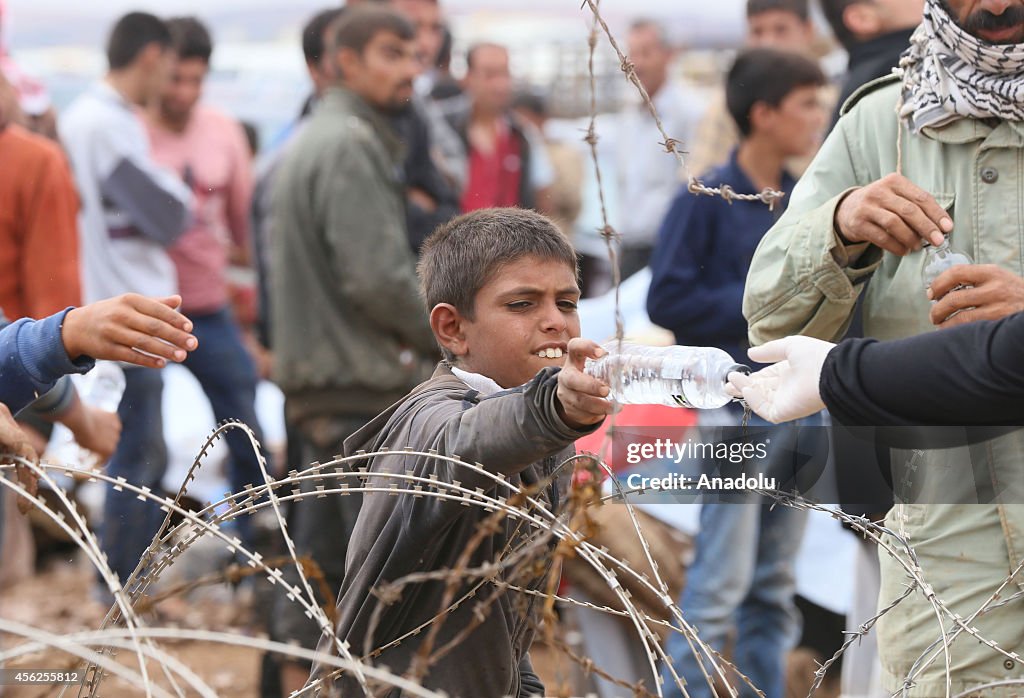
788, 389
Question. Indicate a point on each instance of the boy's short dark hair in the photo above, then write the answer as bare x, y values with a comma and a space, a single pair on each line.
131, 34
833, 11
190, 39
769, 76
313, 33
357, 27
462, 255
798, 7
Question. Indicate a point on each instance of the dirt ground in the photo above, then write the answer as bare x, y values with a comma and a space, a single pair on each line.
57, 600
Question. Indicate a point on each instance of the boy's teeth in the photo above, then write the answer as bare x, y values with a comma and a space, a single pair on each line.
550, 353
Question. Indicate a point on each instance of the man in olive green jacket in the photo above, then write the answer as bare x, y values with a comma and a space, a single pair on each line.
350, 331
852, 218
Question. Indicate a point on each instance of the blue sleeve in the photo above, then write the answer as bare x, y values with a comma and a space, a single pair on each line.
55, 403
685, 295
33, 359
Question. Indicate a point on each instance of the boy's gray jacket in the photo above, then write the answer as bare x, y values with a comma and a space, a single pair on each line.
804, 281
515, 433
350, 333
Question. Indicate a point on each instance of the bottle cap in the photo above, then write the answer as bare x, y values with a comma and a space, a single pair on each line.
926, 243
738, 368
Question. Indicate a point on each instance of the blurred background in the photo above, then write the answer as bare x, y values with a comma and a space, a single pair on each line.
258, 73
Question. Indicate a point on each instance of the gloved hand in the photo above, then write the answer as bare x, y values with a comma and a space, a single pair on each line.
788, 389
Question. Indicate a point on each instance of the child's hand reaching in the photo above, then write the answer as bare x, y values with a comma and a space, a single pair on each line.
581, 398
120, 328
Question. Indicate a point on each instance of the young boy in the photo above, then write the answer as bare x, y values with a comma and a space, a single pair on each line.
785, 25
501, 285
743, 568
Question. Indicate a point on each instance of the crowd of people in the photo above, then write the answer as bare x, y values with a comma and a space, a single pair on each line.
123, 217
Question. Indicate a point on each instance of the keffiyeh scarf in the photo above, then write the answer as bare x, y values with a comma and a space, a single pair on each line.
948, 74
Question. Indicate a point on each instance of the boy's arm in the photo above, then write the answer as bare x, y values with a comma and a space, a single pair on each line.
33, 359
123, 327
52, 406
34, 354
508, 431
94, 429
804, 279
679, 299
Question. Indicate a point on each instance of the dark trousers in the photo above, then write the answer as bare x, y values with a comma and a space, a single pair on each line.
227, 374
130, 524
320, 526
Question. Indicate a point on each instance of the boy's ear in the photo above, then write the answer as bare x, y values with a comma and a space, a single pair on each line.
760, 113
447, 325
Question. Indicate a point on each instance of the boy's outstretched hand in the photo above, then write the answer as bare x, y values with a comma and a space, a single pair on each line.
121, 328
581, 398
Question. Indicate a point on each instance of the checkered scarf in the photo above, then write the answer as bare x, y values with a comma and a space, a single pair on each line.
948, 74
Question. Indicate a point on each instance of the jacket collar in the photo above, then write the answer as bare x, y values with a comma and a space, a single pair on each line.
480, 383
342, 100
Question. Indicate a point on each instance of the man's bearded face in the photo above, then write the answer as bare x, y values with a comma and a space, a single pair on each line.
992, 21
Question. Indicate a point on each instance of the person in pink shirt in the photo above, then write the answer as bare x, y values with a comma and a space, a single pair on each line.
209, 151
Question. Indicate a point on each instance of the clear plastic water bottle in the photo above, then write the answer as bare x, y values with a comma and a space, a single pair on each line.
939, 259
674, 376
102, 387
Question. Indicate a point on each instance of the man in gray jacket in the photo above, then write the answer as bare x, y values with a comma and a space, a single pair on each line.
349, 332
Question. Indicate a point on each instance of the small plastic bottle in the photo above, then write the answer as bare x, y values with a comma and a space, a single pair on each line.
674, 376
939, 259
102, 387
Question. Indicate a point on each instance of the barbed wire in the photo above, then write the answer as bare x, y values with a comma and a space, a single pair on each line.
518, 503
540, 540
671, 145
474, 497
